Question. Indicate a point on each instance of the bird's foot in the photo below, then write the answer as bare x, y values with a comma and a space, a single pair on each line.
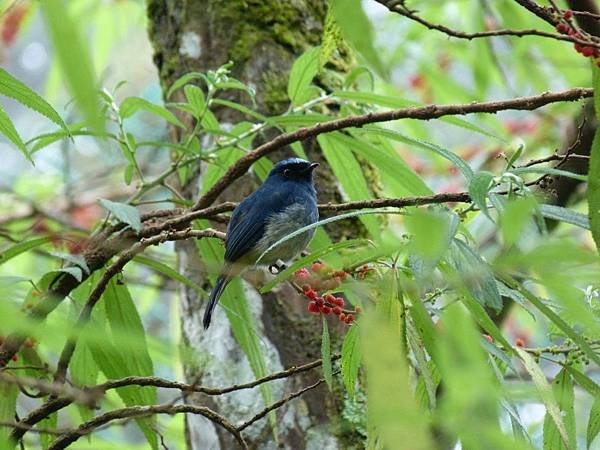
277, 267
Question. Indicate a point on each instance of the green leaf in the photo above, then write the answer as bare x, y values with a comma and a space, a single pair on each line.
326, 355
565, 215
185, 79
240, 108
593, 427
563, 391
549, 171
169, 272
298, 120
392, 408
22, 247
357, 30
195, 97
11, 87
546, 394
475, 274
126, 353
48, 423
479, 186
131, 105
8, 408
389, 162
593, 191
74, 59
351, 357
348, 172
8, 129
302, 73
125, 213
444, 153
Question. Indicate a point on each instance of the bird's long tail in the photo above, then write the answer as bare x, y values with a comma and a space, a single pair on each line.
213, 299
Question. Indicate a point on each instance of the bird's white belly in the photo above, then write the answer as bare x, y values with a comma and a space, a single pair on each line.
280, 225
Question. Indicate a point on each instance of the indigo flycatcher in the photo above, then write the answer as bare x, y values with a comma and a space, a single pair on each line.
286, 202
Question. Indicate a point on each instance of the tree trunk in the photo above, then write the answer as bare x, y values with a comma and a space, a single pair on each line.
262, 38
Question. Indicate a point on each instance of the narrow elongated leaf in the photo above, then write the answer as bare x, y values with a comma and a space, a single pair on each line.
302, 73
131, 105
195, 97
126, 353
479, 186
593, 427
565, 215
392, 408
357, 30
168, 271
11, 87
565, 396
351, 357
185, 79
593, 192
8, 408
22, 247
74, 59
549, 171
546, 395
125, 213
444, 153
326, 355
8, 129
349, 173
475, 274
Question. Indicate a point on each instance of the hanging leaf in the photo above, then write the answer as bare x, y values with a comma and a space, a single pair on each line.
546, 395
74, 59
302, 73
351, 357
565, 397
326, 355
125, 213
479, 187
22, 247
8, 129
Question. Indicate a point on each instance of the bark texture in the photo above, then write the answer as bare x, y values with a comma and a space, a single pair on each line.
262, 38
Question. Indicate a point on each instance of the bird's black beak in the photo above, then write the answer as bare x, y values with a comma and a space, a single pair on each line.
312, 167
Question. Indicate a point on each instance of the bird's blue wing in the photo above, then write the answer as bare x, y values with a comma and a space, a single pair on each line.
249, 219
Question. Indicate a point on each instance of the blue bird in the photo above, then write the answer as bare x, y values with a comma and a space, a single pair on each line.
286, 202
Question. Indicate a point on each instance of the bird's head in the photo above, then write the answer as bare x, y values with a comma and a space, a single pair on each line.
293, 169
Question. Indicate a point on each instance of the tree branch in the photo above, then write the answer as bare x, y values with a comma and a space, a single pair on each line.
144, 411
422, 113
397, 7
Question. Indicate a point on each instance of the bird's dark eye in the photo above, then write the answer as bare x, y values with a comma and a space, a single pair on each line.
287, 172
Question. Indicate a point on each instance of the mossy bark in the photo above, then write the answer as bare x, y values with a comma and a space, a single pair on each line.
262, 38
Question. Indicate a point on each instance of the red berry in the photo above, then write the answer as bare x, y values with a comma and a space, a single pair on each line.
587, 51
302, 275
325, 309
563, 28
306, 288
329, 299
578, 47
339, 301
337, 309
567, 14
349, 318
488, 338
14, 357
317, 266
519, 342
320, 301
312, 307
311, 293
342, 317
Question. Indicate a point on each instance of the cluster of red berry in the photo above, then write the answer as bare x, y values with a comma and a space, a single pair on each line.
321, 278
564, 27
